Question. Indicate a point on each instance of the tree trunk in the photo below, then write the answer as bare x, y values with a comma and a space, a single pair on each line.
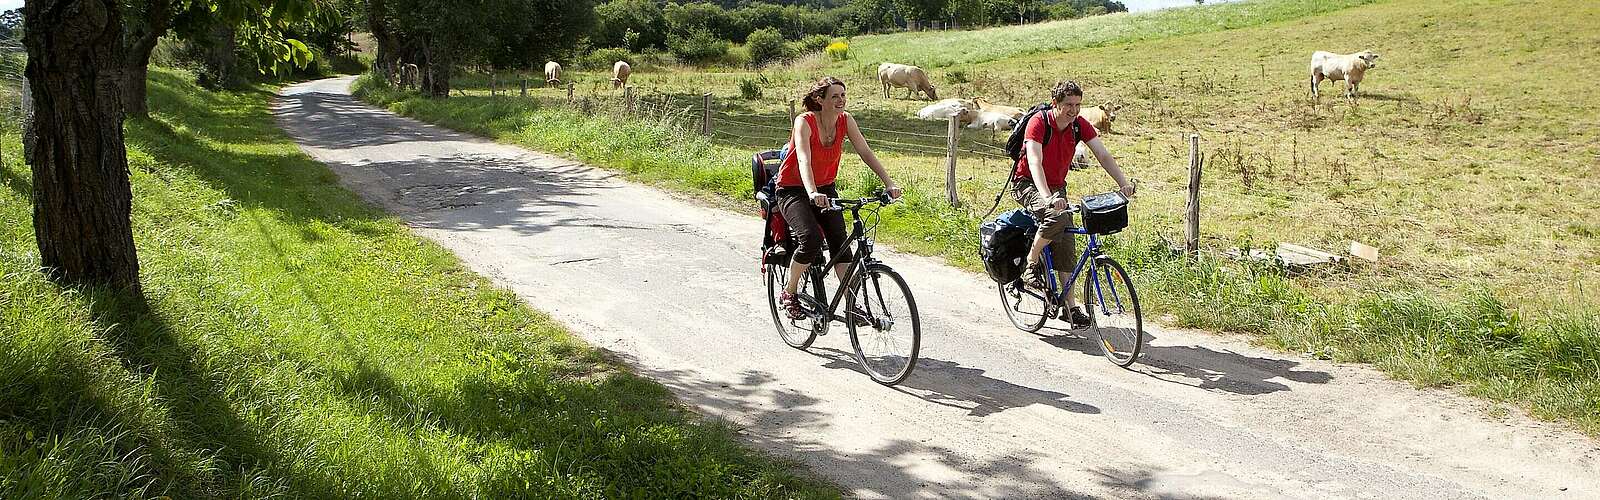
81, 195
156, 18
436, 72
388, 53
134, 91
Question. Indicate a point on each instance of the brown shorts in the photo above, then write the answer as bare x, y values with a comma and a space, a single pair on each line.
1053, 223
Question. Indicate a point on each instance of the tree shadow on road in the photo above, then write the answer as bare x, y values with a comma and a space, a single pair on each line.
1201, 367
947, 383
786, 421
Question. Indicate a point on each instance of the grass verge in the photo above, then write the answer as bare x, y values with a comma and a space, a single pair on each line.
296, 342
1547, 362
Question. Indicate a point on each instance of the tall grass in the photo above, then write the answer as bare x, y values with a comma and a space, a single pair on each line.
937, 49
296, 342
1479, 342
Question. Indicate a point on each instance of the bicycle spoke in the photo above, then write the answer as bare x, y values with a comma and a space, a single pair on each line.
886, 348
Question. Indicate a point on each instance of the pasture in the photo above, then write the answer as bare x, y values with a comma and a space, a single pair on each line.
1462, 171
1476, 181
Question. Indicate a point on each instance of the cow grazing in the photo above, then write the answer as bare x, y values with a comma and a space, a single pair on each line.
912, 78
410, 76
1351, 68
619, 74
1101, 116
1012, 111
552, 74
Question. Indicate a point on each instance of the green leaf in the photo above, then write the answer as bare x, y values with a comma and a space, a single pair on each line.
302, 54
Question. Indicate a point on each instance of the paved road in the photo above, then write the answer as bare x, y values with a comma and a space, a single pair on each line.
991, 412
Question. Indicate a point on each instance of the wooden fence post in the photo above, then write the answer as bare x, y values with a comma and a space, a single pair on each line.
705, 114
524, 86
1191, 242
791, 111
627, 96
569, 92
494, 80
952, 139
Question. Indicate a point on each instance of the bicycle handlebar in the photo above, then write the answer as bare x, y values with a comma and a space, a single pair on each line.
839, 204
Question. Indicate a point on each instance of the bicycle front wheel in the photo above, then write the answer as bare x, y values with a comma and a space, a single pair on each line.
884, 327
1115, 319
798, 333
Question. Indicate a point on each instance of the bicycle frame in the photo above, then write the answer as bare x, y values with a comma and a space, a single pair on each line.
858, 231
1059, 294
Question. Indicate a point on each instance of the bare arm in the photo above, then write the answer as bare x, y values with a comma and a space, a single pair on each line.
859, 141
1110, 164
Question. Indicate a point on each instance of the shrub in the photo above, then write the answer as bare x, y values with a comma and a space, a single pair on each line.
838, 51
602, 59
813, 43
748, 89
630, 39
700, 47
765, 45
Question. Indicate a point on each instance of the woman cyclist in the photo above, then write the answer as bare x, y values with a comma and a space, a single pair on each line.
805, 182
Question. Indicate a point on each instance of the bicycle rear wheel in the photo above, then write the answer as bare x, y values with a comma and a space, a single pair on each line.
1115, 319
798, 333
887, 342
1027, 308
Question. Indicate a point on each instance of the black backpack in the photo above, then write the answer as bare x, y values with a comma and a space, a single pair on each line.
1014, 142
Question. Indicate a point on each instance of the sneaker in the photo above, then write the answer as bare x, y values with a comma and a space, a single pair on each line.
1076, 316
791, 306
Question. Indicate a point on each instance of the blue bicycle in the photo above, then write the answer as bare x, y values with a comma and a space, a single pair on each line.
1108, 298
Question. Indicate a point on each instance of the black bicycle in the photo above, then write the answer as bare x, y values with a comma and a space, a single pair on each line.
882, 317
1113, 307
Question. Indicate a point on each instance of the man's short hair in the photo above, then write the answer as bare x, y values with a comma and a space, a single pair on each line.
1064, 89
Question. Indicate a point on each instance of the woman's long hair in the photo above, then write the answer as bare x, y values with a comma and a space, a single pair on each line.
813, 97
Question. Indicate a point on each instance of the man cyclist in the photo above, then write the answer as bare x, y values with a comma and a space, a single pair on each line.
1040, 180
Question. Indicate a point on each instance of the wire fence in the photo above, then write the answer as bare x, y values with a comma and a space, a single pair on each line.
917, 160
14, 101
919, 156
15, 104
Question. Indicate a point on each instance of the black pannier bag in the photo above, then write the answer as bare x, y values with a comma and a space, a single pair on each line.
1105, 213
1003, 244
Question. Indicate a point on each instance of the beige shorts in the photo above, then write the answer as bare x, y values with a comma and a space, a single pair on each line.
1053, 223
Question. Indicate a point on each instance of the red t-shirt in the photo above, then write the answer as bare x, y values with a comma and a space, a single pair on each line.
824, 157
1057, 153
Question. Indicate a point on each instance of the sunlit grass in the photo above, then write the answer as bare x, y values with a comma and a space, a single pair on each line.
299, 343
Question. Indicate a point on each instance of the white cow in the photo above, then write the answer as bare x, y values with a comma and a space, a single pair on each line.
619, 74
943, 110
552, 74
993, 120
1351, 68
1014, 112
410, 76
912, 78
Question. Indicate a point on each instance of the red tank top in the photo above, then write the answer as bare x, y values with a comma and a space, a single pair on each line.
824, 157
